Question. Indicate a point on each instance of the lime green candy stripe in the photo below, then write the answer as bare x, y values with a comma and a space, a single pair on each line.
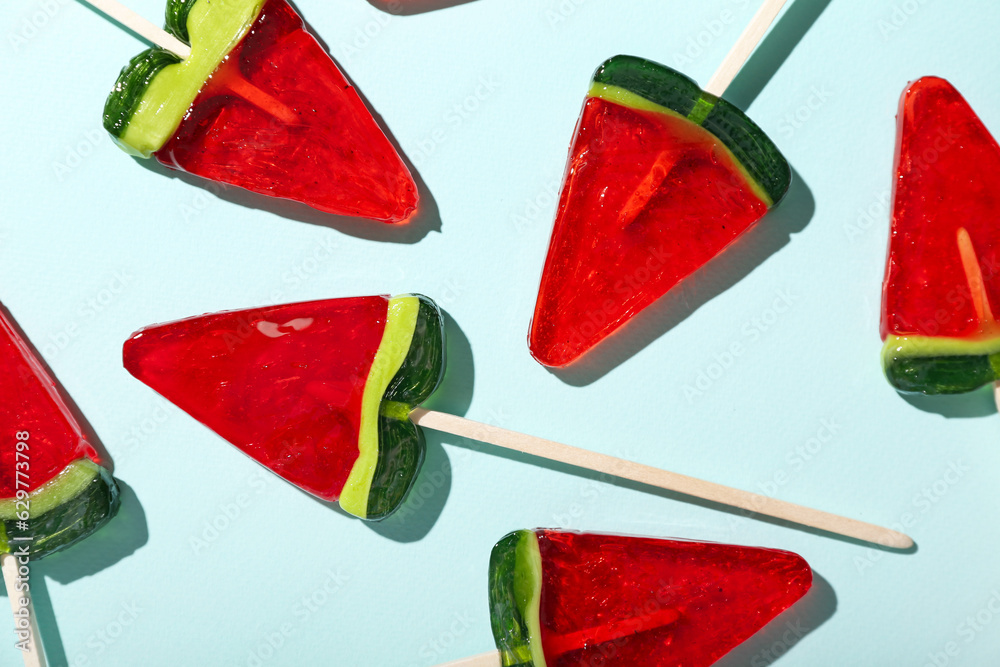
627, 98
927, 346
528, 591
215, 27
401, 321
73, 479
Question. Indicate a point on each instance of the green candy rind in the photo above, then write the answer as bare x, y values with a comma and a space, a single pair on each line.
755, 151
657, 83
135, 78
668, 88
155, 91
177, 16
923, 365
401, 453
401, 442
939, 375
130, 88
77, 502
515, 587
421, 372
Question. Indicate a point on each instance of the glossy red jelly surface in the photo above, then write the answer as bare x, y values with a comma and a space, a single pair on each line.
648, 199
947, 180
279, 118
31, 406
284, 383
612, 600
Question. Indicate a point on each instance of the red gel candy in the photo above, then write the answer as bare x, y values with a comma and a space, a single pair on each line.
283, 383
31, 406
279, 118
941, 294
684, 603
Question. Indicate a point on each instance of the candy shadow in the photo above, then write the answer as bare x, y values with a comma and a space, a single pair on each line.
749, 251
409, 7
979, 403
773, 52
423, 505
125, 534
426, 500
48, 629
787, 629
455, 393
115, 22
425, 220
592, 475
121, 537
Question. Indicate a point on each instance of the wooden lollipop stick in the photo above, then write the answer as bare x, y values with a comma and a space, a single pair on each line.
491, 659
649, 187
262, 100
977, 291
612, 631
141, 26
636, 472
24, 614
744, 46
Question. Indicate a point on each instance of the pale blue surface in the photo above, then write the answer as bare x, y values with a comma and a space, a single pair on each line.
82, 222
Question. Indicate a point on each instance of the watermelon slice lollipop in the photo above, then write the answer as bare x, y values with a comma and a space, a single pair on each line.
662, 177
326, 395
942, 282
319, 392
562, 599
54, 487
258, 104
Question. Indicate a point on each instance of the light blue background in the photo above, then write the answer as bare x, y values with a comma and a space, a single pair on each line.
92, 246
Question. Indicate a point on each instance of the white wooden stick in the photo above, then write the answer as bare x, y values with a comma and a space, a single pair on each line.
636, 472
996, 394
744, 46
491, 659
141, 26
24, 614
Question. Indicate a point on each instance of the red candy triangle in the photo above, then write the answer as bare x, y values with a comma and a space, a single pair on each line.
33, 413
646, 202
658, 603
283, 383
948, 179
279, 118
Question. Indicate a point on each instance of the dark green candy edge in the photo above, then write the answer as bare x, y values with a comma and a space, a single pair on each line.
941, 375
66, 524
510, 631
671, 89
130, 87
401, 443
177, 17
135, 77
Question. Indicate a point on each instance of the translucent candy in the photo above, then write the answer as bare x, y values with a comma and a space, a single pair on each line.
942, 282
562, 599
318, 392
662, 177
260, 105
54, 489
